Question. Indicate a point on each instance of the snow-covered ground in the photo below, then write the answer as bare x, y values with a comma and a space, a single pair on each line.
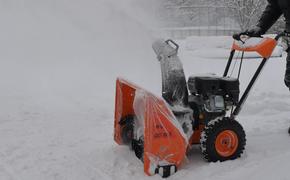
58, 64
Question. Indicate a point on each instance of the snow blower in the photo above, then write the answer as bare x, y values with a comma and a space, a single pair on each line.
202, 110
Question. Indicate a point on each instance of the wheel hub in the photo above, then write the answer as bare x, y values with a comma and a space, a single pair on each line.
226, 143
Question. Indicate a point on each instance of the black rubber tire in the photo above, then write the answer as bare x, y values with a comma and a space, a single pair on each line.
127, 124
210, 133
138, 148
289, 131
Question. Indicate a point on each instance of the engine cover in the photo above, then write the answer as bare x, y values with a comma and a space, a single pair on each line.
204, 85
215, 85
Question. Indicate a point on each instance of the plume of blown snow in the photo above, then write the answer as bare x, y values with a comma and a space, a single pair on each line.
76, 48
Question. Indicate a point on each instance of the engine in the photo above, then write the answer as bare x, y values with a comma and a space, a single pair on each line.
212, 96
201, 98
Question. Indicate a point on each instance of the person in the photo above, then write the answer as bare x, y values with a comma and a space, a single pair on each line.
273, 11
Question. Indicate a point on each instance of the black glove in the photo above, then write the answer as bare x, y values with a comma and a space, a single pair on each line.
285, 41
287, 83
254, 32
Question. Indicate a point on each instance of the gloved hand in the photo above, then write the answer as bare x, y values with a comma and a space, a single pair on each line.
285, 42
254, 32
287, 83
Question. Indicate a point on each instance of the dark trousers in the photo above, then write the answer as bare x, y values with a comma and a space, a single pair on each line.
287, 73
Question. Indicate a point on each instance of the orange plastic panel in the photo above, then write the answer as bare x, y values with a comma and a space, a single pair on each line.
125, 93
164, 142
195, 138
264, 48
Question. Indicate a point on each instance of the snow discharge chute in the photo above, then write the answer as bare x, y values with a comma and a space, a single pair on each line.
146, 122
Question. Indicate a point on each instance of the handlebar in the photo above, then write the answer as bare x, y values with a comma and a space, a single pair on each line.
238, 36
278, 36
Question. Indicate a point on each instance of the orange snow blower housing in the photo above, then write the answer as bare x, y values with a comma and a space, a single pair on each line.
201, 111
163, 140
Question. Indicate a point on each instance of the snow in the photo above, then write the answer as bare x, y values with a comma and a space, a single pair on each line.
58, 64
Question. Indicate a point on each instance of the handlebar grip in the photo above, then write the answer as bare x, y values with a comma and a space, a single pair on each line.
237, 37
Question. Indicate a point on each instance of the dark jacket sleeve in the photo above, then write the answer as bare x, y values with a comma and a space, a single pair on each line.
270, 15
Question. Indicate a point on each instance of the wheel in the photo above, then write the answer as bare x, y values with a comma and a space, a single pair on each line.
127, 134
222, 139
127, 125
138, 148
289, 131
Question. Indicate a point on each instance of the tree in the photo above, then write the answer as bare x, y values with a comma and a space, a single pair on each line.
246, 11
191, 12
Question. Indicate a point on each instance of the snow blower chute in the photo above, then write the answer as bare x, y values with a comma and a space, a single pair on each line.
202, 110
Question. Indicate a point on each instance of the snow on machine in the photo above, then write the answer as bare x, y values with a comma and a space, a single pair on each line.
202, 110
